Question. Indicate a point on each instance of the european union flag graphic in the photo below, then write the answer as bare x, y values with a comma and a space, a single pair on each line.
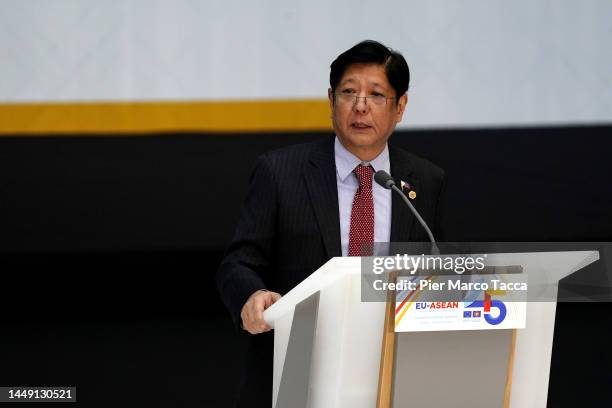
476, 313
467, 313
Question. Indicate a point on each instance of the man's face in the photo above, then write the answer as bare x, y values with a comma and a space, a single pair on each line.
363, 127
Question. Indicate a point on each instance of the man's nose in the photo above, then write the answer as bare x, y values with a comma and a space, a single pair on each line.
361, 104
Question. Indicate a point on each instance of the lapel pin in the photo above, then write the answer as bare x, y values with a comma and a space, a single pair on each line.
407, 188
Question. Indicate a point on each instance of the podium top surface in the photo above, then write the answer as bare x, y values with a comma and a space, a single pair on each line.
550, 267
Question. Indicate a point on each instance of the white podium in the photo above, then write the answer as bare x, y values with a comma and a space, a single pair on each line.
328, 345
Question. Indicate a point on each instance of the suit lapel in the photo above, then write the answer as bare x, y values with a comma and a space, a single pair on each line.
401, 216
321, 183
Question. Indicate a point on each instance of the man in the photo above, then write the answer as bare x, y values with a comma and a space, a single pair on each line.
309, 203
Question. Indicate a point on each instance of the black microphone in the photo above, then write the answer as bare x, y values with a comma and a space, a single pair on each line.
385, 180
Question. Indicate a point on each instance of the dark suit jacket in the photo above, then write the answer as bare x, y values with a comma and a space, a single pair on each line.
289, 226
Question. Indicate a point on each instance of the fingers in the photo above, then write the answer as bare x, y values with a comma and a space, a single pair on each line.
271, 299
252, 311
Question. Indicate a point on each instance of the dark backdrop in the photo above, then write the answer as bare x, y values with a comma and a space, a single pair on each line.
109, 244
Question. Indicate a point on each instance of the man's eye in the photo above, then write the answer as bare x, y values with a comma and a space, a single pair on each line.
348, 91
377, 94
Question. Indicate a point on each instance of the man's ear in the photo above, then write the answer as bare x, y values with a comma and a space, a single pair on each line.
403, 101
401, 106
330, 96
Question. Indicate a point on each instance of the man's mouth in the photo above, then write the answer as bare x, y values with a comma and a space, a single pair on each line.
360, 125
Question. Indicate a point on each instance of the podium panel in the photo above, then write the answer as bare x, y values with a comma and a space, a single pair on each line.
458, 369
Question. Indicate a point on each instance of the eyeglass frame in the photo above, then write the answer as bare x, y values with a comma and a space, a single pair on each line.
371, 97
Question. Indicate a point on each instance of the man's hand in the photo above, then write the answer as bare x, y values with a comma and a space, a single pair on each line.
252, 311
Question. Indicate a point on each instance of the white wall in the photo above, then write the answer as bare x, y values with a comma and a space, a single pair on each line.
473, 62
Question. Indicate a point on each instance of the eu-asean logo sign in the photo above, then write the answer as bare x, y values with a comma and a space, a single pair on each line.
487, 305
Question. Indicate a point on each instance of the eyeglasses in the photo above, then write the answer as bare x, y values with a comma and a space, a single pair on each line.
372, 100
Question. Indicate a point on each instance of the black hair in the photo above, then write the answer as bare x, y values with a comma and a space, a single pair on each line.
373, 52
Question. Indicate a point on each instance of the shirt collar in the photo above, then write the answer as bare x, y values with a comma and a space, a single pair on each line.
347, 161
